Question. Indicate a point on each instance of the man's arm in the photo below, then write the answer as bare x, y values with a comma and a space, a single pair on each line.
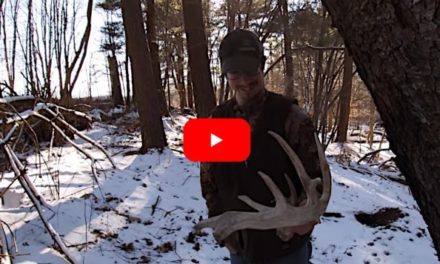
300, 132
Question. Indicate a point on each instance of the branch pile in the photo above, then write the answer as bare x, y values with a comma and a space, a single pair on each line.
25, 122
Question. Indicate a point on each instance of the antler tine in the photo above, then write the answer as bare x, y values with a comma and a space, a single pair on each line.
293, 196
253, 204
302, 174
325, 170
277, 194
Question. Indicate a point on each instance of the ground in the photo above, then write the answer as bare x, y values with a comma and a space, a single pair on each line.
144, 211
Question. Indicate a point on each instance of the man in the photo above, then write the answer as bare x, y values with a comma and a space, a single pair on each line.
242, 63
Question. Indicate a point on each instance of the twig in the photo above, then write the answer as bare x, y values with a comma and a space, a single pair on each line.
187, 178
153, 208
4, 246
76, 132
371, 153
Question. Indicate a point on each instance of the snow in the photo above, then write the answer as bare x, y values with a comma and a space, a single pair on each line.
114, 221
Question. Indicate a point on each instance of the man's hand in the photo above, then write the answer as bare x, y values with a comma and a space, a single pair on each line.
231, 243
231, 249
286, 233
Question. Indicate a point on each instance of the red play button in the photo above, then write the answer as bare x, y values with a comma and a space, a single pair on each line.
217, 139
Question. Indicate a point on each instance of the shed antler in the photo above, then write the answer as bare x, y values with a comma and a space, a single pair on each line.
285, 213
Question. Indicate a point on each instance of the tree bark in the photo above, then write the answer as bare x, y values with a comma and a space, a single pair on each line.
395, 45
147, 101
114, 80
198, 57
345, 98
154, 51
288, 67
189, 89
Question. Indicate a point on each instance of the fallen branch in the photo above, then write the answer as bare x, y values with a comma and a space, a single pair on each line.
76, 132
5, 256
371, 154
16, 164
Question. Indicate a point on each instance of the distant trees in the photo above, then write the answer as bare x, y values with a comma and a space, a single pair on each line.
112, 44
69, 55
305, 55
395, 45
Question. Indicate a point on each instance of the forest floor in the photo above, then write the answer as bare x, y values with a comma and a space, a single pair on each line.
144, 210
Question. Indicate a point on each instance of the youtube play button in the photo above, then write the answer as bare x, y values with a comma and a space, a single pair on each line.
217, 139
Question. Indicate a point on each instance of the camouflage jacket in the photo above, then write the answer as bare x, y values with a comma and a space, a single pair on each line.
298, 132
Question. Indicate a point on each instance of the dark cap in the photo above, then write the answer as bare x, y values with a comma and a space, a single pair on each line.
241, 51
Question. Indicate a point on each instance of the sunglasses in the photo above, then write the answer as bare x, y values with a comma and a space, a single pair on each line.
235, 75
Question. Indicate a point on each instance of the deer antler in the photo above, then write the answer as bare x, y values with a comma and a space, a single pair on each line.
285, 213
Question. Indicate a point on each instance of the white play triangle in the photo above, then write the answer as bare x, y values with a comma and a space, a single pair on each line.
215, 140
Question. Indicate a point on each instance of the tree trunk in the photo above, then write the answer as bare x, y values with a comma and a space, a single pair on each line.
180, 75
344, 100
198, 57
189, 89
395, 45
127, 79
288, 69
147, 99
114, 80
154, 52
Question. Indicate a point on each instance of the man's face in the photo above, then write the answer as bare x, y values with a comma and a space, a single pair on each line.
246, 86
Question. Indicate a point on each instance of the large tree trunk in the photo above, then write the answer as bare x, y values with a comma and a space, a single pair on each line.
147, 99
117, 98
198, 57
344, 100
154, 51
395, 45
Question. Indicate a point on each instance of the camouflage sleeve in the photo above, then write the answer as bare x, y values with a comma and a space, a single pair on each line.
209, 189
300, 136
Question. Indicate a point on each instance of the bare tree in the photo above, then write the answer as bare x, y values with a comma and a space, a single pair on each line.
198, 57
345, 97
395, 47
69, 65
153, 135
9, 52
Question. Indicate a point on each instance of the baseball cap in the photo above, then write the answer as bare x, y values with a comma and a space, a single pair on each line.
241, 51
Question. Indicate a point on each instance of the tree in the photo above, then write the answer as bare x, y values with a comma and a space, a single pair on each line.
153, 135
69, 57
198, 57
345, 97
112, 45
154, 53
395, 47
9, 52
288, 68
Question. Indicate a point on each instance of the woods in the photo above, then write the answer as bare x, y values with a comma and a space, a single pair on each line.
341, 60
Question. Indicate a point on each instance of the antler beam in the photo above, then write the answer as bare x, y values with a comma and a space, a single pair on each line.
285, 213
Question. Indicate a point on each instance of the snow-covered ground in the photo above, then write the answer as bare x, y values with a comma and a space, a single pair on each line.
144, 211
